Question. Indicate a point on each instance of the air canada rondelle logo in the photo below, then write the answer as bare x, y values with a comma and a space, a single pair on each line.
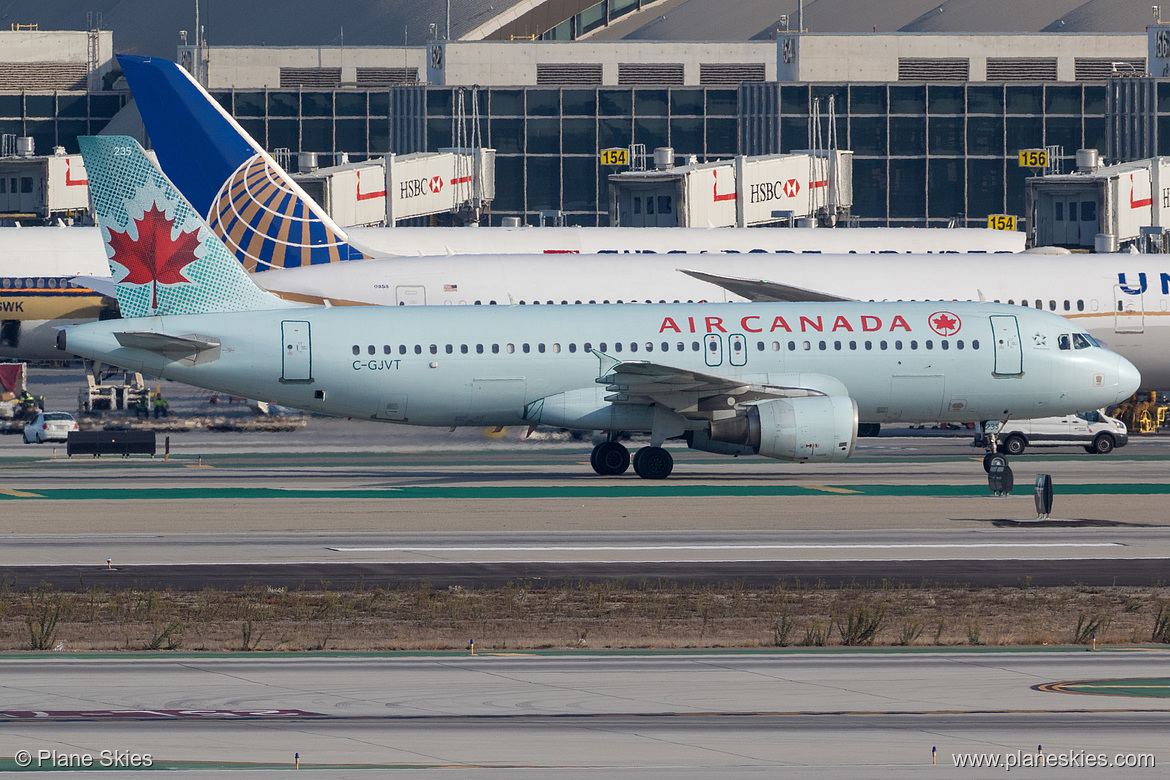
944, 323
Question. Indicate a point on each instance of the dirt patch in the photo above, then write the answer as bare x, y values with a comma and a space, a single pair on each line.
596, 616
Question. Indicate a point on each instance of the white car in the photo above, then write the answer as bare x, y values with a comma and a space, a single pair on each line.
49, 426
1095, 431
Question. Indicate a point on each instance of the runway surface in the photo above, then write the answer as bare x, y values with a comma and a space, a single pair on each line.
867, 714
226, 511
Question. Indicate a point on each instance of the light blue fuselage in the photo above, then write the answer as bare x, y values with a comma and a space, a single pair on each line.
448, 366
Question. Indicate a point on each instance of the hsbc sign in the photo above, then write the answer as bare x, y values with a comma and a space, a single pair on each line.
420, 184
765, 191
413, 188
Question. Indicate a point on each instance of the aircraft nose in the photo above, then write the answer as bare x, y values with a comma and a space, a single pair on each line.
1128, 379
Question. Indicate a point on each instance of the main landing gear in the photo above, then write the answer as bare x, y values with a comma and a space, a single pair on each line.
610, 458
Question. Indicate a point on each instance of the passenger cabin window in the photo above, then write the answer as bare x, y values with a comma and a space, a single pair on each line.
357, 350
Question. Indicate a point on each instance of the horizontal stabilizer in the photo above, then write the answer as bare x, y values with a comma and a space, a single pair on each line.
102, 285
190, 349
763, 291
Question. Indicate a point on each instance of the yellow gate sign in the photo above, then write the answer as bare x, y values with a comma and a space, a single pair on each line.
615, 156
1033, 158
1001, 222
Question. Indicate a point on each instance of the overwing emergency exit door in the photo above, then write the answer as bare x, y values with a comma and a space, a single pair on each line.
1009, 355
297, 361
713, 349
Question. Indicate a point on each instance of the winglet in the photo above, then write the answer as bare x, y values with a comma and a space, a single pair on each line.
163, 257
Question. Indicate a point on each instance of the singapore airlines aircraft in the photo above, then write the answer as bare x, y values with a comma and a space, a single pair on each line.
239, 188
786, 381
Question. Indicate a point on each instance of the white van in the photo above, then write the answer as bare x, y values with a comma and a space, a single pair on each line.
1096, 431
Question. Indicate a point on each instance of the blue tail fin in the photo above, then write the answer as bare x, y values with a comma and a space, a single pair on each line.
262, 215
163, 257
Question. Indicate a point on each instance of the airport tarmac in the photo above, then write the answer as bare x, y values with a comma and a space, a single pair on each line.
342, 500
873, 714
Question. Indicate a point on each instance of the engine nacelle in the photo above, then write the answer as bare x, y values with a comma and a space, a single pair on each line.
818, 428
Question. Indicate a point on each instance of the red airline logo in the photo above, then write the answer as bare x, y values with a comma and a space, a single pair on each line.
944, 323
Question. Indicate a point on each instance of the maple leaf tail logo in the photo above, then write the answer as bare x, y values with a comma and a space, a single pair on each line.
154, 258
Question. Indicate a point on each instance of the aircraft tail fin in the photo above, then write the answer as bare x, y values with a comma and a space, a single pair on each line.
163, 257
263, 216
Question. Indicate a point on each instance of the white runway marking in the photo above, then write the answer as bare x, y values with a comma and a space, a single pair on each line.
666, 547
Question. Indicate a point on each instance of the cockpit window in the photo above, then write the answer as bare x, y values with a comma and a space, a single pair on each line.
1064, 341
1082, 341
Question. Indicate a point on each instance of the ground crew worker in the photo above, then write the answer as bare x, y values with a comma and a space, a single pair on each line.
160, 406
27, 401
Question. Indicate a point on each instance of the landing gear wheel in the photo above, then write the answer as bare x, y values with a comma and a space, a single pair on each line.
1014, 445
653, 463
1103, 444
609, 459
990, 458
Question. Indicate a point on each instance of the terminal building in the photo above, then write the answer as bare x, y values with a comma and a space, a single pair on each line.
934, 120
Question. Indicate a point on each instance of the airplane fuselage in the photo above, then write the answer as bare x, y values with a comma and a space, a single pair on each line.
487, 365
1122, 300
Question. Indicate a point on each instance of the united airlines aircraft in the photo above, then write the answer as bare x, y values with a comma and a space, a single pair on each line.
232, 181
782, 380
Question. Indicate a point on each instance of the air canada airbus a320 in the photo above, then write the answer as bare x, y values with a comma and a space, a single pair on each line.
788, 381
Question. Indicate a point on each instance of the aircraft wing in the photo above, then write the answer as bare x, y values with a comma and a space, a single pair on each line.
692, 394
190, 349
761, 290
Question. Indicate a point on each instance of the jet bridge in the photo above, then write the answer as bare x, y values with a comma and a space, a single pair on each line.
459, 182
810, 187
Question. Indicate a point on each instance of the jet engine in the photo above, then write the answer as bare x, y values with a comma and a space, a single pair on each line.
820, 428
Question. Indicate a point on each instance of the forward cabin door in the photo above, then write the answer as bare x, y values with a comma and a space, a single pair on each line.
1129, 310
297, 361
1009, 355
